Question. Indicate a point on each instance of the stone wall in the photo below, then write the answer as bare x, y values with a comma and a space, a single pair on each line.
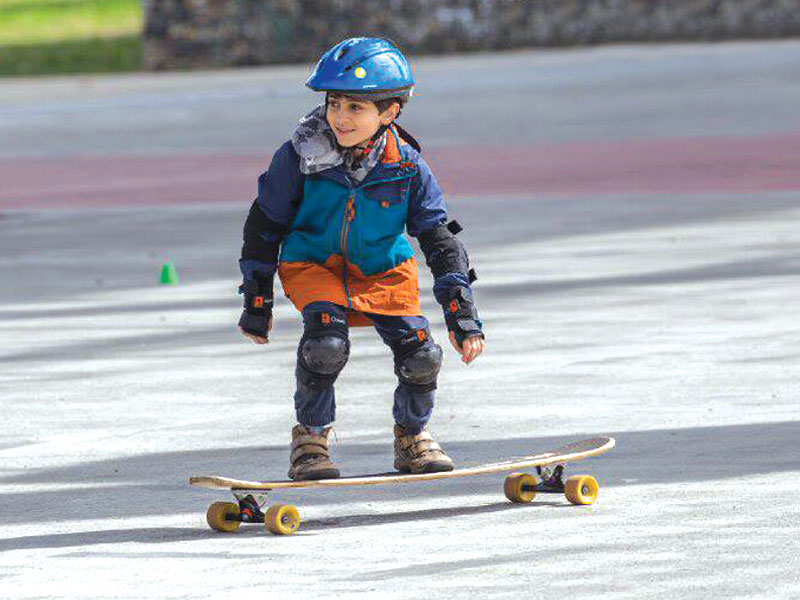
219, 33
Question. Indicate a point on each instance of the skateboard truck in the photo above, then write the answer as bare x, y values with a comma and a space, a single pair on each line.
250, 507
551, 479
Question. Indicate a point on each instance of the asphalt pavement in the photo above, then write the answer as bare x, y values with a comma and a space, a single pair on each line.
632, 212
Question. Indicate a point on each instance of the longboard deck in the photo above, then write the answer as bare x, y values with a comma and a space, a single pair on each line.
570, 452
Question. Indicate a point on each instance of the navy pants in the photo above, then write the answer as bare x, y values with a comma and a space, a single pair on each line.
412, 409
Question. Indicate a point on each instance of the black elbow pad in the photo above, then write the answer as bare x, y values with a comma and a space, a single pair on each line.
444, 252
255, 247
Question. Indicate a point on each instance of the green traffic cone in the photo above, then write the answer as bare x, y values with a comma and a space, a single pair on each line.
169, 274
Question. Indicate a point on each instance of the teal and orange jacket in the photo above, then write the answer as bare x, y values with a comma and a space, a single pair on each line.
344, 243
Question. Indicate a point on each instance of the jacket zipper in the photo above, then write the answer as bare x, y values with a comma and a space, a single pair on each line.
347, 218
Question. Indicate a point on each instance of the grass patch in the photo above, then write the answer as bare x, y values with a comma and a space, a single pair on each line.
25, 22
97, 55
70, 36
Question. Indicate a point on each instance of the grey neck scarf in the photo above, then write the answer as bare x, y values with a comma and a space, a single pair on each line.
316, 144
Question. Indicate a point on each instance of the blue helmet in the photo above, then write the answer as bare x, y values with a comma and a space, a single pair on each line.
364, 68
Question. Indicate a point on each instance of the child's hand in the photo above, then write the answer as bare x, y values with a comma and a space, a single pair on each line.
470, 349
257, 339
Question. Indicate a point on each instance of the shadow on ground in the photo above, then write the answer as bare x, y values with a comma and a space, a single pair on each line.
156, 535
155, 484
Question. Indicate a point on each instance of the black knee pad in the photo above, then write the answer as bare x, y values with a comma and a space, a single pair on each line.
417, 360
323, 350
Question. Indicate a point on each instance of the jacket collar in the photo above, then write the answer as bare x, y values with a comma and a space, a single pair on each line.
393, 158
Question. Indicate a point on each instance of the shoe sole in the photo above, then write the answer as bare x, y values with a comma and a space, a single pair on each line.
317, 475
429, 468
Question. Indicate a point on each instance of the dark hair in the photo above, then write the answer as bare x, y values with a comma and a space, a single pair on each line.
381, 105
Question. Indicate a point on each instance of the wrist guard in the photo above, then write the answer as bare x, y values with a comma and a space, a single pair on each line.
461, 316
257, 305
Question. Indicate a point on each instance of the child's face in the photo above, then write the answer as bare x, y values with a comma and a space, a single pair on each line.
355, 121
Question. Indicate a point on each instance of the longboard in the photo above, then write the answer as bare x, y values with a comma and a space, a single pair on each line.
284, 519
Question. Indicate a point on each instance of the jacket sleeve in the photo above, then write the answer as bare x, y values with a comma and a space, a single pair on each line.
426, 205
280, 190
427, 218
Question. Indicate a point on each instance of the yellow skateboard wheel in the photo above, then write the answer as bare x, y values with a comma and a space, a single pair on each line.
581, 489
282, 519
218, 516
514, 484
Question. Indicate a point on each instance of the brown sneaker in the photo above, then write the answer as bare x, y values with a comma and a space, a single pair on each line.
310, 456
418, 453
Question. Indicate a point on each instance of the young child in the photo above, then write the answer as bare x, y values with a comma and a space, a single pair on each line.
329, 217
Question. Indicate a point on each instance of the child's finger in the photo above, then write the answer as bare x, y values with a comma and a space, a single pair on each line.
466, 351
479, 346
254, 338
455, 343
472, 348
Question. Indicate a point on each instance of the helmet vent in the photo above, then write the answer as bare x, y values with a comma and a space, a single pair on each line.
342, 51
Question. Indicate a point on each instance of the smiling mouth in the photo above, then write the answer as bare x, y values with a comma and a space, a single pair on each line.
345, 132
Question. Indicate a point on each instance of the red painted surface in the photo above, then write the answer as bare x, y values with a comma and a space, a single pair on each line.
128, 180
671, 165
651, 166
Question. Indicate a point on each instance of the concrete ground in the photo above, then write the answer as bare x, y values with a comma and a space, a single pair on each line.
632, 212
